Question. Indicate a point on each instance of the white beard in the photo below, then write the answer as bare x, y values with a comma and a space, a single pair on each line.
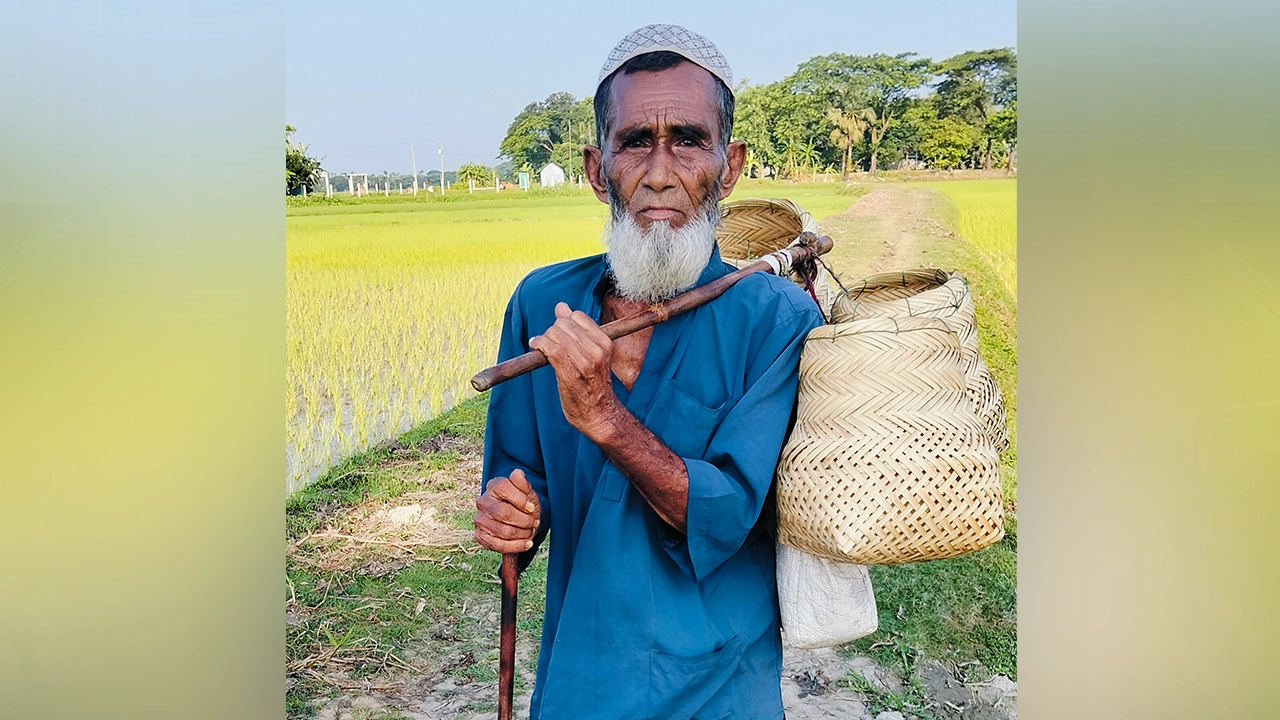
657, 265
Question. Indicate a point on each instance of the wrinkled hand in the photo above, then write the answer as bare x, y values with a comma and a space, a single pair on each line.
582, 356
508, 514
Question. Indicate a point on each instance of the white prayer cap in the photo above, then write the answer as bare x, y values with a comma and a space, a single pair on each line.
671, 38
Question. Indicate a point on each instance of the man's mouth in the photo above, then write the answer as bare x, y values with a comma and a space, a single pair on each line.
660, 213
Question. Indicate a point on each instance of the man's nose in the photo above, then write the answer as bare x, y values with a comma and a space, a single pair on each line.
660, 170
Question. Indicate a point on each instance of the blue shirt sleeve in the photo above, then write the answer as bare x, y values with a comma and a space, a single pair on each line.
727, 489
511, 438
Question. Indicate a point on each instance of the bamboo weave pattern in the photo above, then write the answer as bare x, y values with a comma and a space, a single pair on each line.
887, 462
928, 292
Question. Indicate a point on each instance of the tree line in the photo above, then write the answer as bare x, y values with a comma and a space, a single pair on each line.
835, 113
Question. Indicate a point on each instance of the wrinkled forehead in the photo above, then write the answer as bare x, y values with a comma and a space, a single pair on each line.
682, 95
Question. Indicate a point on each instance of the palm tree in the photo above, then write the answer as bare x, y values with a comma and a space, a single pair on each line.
808, 157
474, 171
877, 126
849, 129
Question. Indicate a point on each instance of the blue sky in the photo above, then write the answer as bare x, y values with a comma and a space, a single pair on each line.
364, 79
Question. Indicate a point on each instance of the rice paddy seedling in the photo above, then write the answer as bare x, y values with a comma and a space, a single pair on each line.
988, 218
389, 314
392, 304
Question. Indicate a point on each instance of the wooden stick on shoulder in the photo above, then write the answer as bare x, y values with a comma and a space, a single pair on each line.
810, 247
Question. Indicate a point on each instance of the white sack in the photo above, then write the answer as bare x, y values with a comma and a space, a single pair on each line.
823, 602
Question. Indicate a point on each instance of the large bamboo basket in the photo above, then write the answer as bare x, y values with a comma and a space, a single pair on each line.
755, 227
928, 292
887, 462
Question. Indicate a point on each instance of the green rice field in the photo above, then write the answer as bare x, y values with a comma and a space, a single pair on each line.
394, 303
988, 218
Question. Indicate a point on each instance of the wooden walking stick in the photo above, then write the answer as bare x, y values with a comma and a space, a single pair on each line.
507, 638
809, 247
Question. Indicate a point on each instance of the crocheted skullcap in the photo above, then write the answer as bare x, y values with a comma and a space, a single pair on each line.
671, 38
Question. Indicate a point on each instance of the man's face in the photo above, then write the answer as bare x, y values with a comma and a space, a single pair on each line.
662, 157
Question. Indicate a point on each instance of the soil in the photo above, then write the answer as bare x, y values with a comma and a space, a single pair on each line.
879, 233
893, 218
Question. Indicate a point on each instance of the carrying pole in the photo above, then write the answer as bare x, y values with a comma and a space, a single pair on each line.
806, 248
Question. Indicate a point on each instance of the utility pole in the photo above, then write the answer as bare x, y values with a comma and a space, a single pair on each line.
413, 161
441, 151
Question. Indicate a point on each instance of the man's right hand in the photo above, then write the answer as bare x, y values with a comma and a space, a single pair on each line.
508, 514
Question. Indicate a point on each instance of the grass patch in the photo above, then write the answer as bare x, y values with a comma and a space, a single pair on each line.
376, 615
957, 610
909, 701
987, 216
365, 475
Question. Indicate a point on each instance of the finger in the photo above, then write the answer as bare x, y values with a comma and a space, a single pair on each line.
579, 335
589, 326
501, 546
593, 340
563, 310
506, 513
567, 353
506, 491
522, 483
500, 530
557, 343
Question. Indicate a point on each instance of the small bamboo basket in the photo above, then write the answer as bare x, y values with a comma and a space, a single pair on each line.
755, 227
887, 462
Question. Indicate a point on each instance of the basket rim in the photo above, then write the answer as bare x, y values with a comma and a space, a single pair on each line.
743, 210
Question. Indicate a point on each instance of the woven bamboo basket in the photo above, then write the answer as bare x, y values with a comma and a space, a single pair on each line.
887, 462
928, 292
755, 227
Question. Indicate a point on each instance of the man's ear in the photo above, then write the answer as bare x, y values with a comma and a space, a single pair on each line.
735, 158
592, 164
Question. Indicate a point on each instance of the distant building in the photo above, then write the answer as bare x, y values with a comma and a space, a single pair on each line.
551, 175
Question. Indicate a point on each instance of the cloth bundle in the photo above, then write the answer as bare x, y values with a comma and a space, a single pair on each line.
823, 602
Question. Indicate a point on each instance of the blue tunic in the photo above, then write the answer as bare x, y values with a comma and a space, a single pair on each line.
643, 621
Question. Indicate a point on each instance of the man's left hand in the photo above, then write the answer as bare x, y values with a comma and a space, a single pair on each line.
582, 356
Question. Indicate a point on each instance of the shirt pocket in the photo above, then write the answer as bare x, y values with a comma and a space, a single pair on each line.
693, 687
681, 422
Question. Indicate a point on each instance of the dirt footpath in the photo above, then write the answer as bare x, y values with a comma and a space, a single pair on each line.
881, 231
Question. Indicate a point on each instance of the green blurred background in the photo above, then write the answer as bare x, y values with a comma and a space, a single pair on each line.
142, 347
1149, 364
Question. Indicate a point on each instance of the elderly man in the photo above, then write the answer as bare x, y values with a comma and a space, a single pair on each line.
649, 458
